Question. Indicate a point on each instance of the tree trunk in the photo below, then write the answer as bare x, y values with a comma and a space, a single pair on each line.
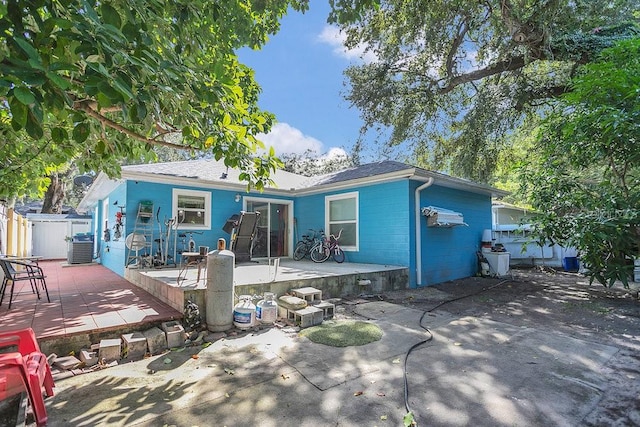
54, 196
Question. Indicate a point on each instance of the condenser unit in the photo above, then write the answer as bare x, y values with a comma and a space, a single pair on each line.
440, 217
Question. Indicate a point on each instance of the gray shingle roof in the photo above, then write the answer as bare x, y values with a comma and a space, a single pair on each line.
212, 171
362, 171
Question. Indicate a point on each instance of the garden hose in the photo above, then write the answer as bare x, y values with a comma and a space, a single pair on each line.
413, 347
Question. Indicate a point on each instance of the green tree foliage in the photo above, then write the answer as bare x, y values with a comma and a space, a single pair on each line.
454, 78
310, 164
584, 175
94, 83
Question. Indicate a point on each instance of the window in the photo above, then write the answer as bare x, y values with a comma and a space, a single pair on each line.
192, 209
342, 214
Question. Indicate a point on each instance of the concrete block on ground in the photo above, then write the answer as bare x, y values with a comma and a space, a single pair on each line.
67, 362
110, 349
328, 309
291, 303
88, 357
174, 332
309, 316
309, 294
156, 340
286, 313
135, 345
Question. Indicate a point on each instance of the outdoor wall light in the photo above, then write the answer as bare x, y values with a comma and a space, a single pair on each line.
238, 197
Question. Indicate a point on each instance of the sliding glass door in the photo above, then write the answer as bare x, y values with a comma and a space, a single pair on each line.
273, 237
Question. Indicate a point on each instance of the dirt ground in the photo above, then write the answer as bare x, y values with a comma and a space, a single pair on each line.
545, 300
555, 301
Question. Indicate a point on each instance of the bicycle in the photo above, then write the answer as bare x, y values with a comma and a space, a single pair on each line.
327, 247
303, 247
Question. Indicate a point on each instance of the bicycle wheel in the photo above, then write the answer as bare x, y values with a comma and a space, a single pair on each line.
319, 253
300, 251
338, 255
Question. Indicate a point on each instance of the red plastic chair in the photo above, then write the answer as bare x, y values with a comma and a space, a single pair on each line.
33, 367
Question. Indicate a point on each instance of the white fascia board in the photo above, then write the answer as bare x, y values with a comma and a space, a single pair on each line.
355, 183
463, 184
101, 188
199, 183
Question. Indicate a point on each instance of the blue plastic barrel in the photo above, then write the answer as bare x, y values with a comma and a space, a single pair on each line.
570, 263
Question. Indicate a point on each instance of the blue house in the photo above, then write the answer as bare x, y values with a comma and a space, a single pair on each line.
390, 213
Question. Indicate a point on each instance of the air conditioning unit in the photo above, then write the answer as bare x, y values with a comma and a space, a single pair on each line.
440, 217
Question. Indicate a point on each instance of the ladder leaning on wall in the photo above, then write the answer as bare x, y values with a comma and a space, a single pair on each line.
139, 243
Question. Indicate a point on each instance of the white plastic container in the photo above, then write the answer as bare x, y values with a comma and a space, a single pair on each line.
244, 313
267, 309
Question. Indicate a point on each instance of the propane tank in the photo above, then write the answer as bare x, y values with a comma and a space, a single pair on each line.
244, 313
267, 309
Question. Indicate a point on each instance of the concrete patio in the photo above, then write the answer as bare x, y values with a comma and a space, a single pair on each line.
174, 286
90, 302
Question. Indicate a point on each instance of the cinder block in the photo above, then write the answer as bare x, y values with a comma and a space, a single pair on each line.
67, 362
309, 316
88, 357
285, 313
156, 340
291, 303
309, 294
135, 345
109, 349
175, 333
328, 309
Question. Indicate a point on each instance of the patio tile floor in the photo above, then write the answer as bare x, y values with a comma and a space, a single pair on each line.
84, 298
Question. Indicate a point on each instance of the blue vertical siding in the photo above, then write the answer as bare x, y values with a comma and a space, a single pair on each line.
308, 213
114, 253
450, 253
386, 220
384, 224
383, 221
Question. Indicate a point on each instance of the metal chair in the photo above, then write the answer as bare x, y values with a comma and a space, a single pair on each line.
16, 271
27, 369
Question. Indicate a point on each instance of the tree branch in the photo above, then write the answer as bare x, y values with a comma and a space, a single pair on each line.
457, 41
83, 106
509, 64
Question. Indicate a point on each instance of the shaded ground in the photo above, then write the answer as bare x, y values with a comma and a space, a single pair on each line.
555, 302
541, 349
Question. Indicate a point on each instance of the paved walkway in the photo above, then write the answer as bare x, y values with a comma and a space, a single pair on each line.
84, 298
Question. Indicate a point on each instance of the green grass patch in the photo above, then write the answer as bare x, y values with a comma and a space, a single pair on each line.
343, 333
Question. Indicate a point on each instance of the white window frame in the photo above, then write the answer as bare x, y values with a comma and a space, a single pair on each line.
207, 208
328, 222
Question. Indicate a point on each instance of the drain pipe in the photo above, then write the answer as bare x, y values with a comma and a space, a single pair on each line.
428, 183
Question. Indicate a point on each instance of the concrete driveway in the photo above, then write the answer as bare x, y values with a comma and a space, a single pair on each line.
477, 370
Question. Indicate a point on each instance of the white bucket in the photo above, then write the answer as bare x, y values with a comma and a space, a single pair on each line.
486, 236
244, 313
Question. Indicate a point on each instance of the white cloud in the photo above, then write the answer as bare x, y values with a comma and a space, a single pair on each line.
334, 153
286, 139
335, 38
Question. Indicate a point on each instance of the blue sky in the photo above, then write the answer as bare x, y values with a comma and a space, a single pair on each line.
300, 71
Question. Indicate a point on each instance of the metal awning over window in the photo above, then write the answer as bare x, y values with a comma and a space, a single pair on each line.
441, 217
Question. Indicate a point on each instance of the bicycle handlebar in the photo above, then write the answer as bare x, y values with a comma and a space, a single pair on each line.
339, 234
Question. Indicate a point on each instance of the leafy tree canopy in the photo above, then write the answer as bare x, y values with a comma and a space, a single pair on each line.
98, 82
584, 170
310, 163
455, 78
